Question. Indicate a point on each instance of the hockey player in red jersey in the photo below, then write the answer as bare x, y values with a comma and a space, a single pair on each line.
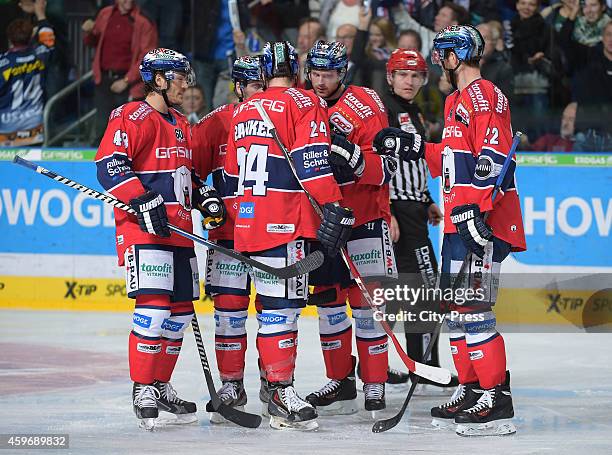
476, 140
355, 115
144, 159
275, 221
227, 279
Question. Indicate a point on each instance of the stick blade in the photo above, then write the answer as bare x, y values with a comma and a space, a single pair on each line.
244, 419
311, 262
380, 426
435, 374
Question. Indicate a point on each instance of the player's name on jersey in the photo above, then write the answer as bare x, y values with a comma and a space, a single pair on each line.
55, 154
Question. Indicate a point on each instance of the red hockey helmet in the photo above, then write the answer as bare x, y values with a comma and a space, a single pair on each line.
404, 59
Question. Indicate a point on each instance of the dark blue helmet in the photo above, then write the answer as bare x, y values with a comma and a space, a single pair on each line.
464, 40
247, 68
167, 62
325, 55
279, 59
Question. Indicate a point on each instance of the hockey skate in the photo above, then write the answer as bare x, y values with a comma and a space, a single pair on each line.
232, 394
337, 397
288, 411
264, 395
465, 396
491, 415
374, 397
184, 411
396, 377
144, 398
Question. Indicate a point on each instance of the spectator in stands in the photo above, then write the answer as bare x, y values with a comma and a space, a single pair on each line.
494, 64
594, 97
531, 64
562, 142
409, 39
556, 14
580, 33
481, 10
214, 47
310, 31
335, 13
279, 19
449, 14
346, 34
23, 68
374, 43
194, 104
167, 19
122, 36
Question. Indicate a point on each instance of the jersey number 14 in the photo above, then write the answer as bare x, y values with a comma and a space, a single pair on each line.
252, 165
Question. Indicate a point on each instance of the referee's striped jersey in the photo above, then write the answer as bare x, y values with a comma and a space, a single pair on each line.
410, 181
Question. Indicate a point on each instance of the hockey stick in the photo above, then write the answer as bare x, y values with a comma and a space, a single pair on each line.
244, 419
386, 424
239, 417
435, 374
308, 264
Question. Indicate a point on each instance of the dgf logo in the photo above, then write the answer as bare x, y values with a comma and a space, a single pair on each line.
247, 210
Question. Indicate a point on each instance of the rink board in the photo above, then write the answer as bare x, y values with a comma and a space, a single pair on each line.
57, 245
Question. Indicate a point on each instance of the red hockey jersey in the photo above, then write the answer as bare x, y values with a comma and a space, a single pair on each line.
272, 208
142, 151
476, 139
209, 142
360, 114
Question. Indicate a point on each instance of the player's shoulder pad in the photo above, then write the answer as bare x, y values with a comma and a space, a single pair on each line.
226, 108
482, 97
134, 112
303, 99
370, 96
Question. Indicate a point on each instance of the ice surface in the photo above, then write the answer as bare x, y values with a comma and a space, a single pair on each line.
67, 373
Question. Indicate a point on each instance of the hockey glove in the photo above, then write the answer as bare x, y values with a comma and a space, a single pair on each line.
335, 228
209, 203
151, 213
474, 232
345, 157
393, 141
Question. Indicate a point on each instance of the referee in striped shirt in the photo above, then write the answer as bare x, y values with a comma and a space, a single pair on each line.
411, 204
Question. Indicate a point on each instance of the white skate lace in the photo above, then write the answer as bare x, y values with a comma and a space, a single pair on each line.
291, 399
146, 397
374, 391
330, 387
457, 396
229, 390
485, 401
169, 393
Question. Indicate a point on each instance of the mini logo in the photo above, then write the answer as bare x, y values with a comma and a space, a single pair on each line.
340, 123
484, 167
454, 350
247, 210
179, 135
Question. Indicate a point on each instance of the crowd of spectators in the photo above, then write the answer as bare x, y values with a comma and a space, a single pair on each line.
553, 59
